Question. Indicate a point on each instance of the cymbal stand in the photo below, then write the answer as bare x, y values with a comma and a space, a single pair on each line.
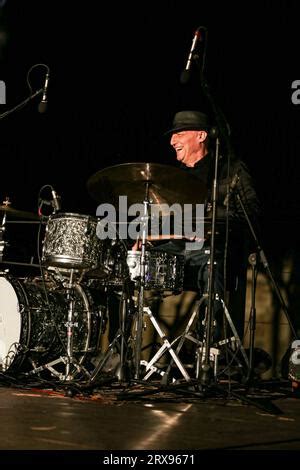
3, 243
126, 314
252, 317
205, 373
123, 309
201, 345
140, 311
120, 341
264, 261
205, 370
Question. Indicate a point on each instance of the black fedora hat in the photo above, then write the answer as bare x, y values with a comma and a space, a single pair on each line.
189, 121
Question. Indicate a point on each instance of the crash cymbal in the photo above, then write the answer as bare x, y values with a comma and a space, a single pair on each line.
167, 184
10, 211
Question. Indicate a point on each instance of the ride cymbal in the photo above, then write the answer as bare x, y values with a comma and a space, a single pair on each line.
166, 184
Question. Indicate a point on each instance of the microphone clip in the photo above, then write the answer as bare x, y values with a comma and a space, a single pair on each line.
44, 101
193, 55
56, 201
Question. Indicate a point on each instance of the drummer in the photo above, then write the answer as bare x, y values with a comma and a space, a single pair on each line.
190, 137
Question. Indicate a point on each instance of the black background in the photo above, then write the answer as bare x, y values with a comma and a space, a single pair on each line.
114, 88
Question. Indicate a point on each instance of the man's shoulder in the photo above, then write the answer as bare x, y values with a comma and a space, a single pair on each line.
236, 166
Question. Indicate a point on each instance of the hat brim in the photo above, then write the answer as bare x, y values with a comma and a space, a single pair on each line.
186, 128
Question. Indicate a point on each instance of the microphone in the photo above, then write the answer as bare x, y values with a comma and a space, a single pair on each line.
232, 186
55, 201
44, 102
185, 75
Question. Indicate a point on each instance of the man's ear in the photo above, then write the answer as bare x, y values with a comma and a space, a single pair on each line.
202, 135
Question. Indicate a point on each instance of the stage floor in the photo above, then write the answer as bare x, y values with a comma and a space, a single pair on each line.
142, 418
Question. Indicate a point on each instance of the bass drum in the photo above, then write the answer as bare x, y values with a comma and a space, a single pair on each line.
33, 324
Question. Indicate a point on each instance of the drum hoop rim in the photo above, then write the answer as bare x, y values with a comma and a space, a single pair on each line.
75, 215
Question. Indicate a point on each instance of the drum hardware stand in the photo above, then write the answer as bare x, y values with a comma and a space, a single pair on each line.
201, 350
252, 317
264, 261
166, 346
120, 339
213, 355
234, 340
68, 360
123, 309
17, 263
127, 311
204, 372
140, 311
69, 325
253, 261
107, 356
3, 243
222, 128
54, 372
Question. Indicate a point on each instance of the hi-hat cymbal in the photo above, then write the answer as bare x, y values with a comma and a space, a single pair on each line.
167, 184
17, 213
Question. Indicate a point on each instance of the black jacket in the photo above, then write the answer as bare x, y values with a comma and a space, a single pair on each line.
204, 170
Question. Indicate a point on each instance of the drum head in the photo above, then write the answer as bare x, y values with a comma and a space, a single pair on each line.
10, 322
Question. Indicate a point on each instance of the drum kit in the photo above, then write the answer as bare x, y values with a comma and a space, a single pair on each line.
53, 324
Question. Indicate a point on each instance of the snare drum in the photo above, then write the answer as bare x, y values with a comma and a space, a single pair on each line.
163, 271
71, 242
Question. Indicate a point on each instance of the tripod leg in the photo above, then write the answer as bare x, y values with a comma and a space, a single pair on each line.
122, 342
235, 333
106, 357
213, 353
167, 345
49, 366
183, 338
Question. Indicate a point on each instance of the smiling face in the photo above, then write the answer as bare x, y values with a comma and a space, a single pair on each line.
190, 146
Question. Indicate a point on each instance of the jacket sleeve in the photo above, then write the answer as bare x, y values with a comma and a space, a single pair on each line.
246, 191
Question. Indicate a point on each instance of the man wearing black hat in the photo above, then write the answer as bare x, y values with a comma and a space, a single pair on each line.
191, 136
191, 139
